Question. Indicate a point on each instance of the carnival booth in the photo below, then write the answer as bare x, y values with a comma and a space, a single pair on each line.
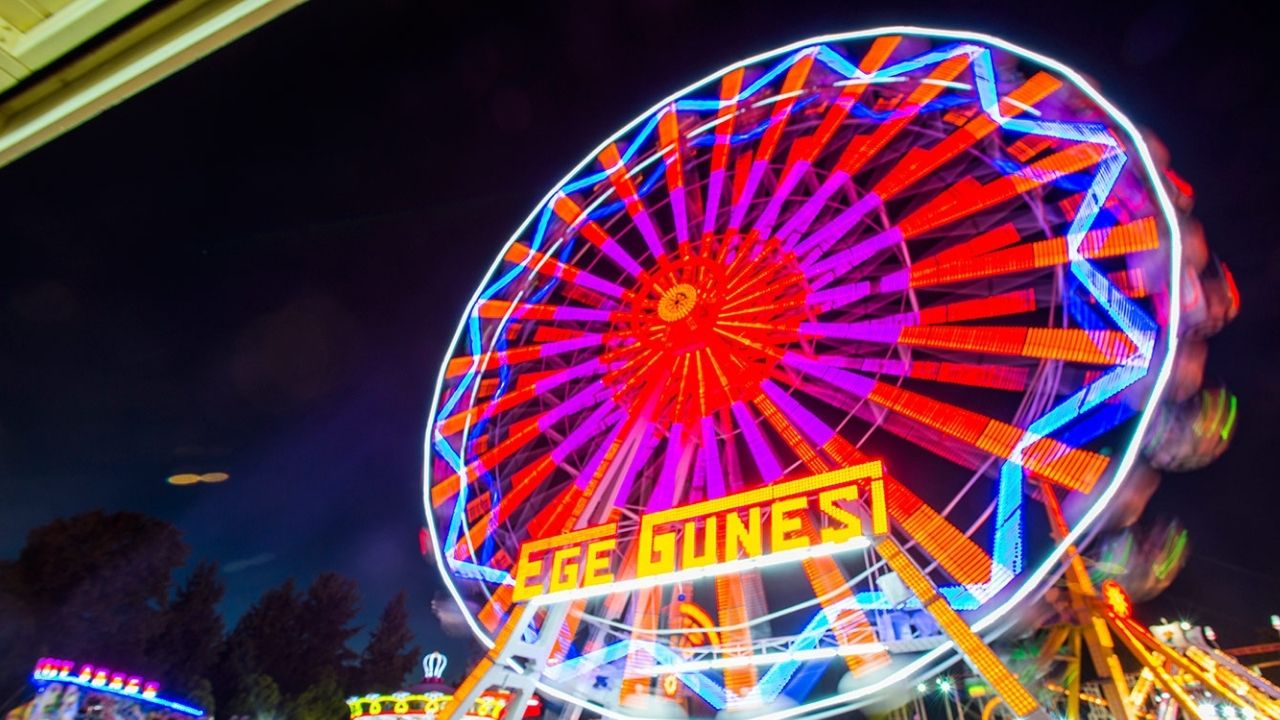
67, 690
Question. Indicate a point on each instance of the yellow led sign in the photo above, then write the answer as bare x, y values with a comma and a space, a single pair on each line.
783, 522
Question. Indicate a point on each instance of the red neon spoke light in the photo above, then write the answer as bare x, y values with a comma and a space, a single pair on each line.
932, 252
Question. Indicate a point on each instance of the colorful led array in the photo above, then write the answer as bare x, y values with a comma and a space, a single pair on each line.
489, 706
818, 247
55, 670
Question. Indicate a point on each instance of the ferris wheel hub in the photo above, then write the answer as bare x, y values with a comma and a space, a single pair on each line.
710, 322
678, 302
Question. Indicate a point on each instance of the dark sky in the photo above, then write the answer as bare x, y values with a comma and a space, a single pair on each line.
255, 265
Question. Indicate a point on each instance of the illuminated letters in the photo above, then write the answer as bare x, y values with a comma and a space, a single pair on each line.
847, 524
597, 567
782, 522
744, 540
657, 554
690, 558
566, 555
564, 569
787, 524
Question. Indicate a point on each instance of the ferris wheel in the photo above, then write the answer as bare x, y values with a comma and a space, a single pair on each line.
760, 409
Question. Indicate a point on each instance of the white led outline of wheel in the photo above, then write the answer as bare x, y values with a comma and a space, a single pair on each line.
1030, 579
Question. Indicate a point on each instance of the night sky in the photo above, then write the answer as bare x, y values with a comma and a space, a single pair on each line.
256, 265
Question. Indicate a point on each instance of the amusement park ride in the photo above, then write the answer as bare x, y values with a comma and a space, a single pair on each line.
812, 380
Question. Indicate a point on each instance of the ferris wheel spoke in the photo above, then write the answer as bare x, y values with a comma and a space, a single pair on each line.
1125, 239
968, 196
457, 422
823, 271
518, 437
514, 356
783, 103
887, 328
865, 147
860, 150
994, 377
954, 551
710, 452
758, 447
792, 435
577, 221
545, 264
1091, 347
730, 87
817, 243
562, 513
917, 163
638, 460
1069, 467
672, 156
611, 160
806, 149
825, 577
988, 242
499, 309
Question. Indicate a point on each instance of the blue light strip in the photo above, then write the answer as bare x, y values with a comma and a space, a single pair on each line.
42, 682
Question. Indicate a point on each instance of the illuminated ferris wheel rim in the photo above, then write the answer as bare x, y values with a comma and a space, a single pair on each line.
1034, 578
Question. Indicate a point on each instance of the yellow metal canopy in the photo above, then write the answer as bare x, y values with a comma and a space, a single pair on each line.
64, 61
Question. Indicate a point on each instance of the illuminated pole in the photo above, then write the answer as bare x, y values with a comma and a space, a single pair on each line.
944, 686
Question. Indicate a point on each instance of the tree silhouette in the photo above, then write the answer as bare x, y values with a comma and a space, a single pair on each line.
190, 633
92, 585
268, 641
298, 640
331, 604
388, 657
257, 698
99, 586
322, 701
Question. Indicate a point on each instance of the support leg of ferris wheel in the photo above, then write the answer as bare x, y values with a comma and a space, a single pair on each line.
1060, 636
1092, 626
1098, 626
1191, 668
512, 649
1018, 699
